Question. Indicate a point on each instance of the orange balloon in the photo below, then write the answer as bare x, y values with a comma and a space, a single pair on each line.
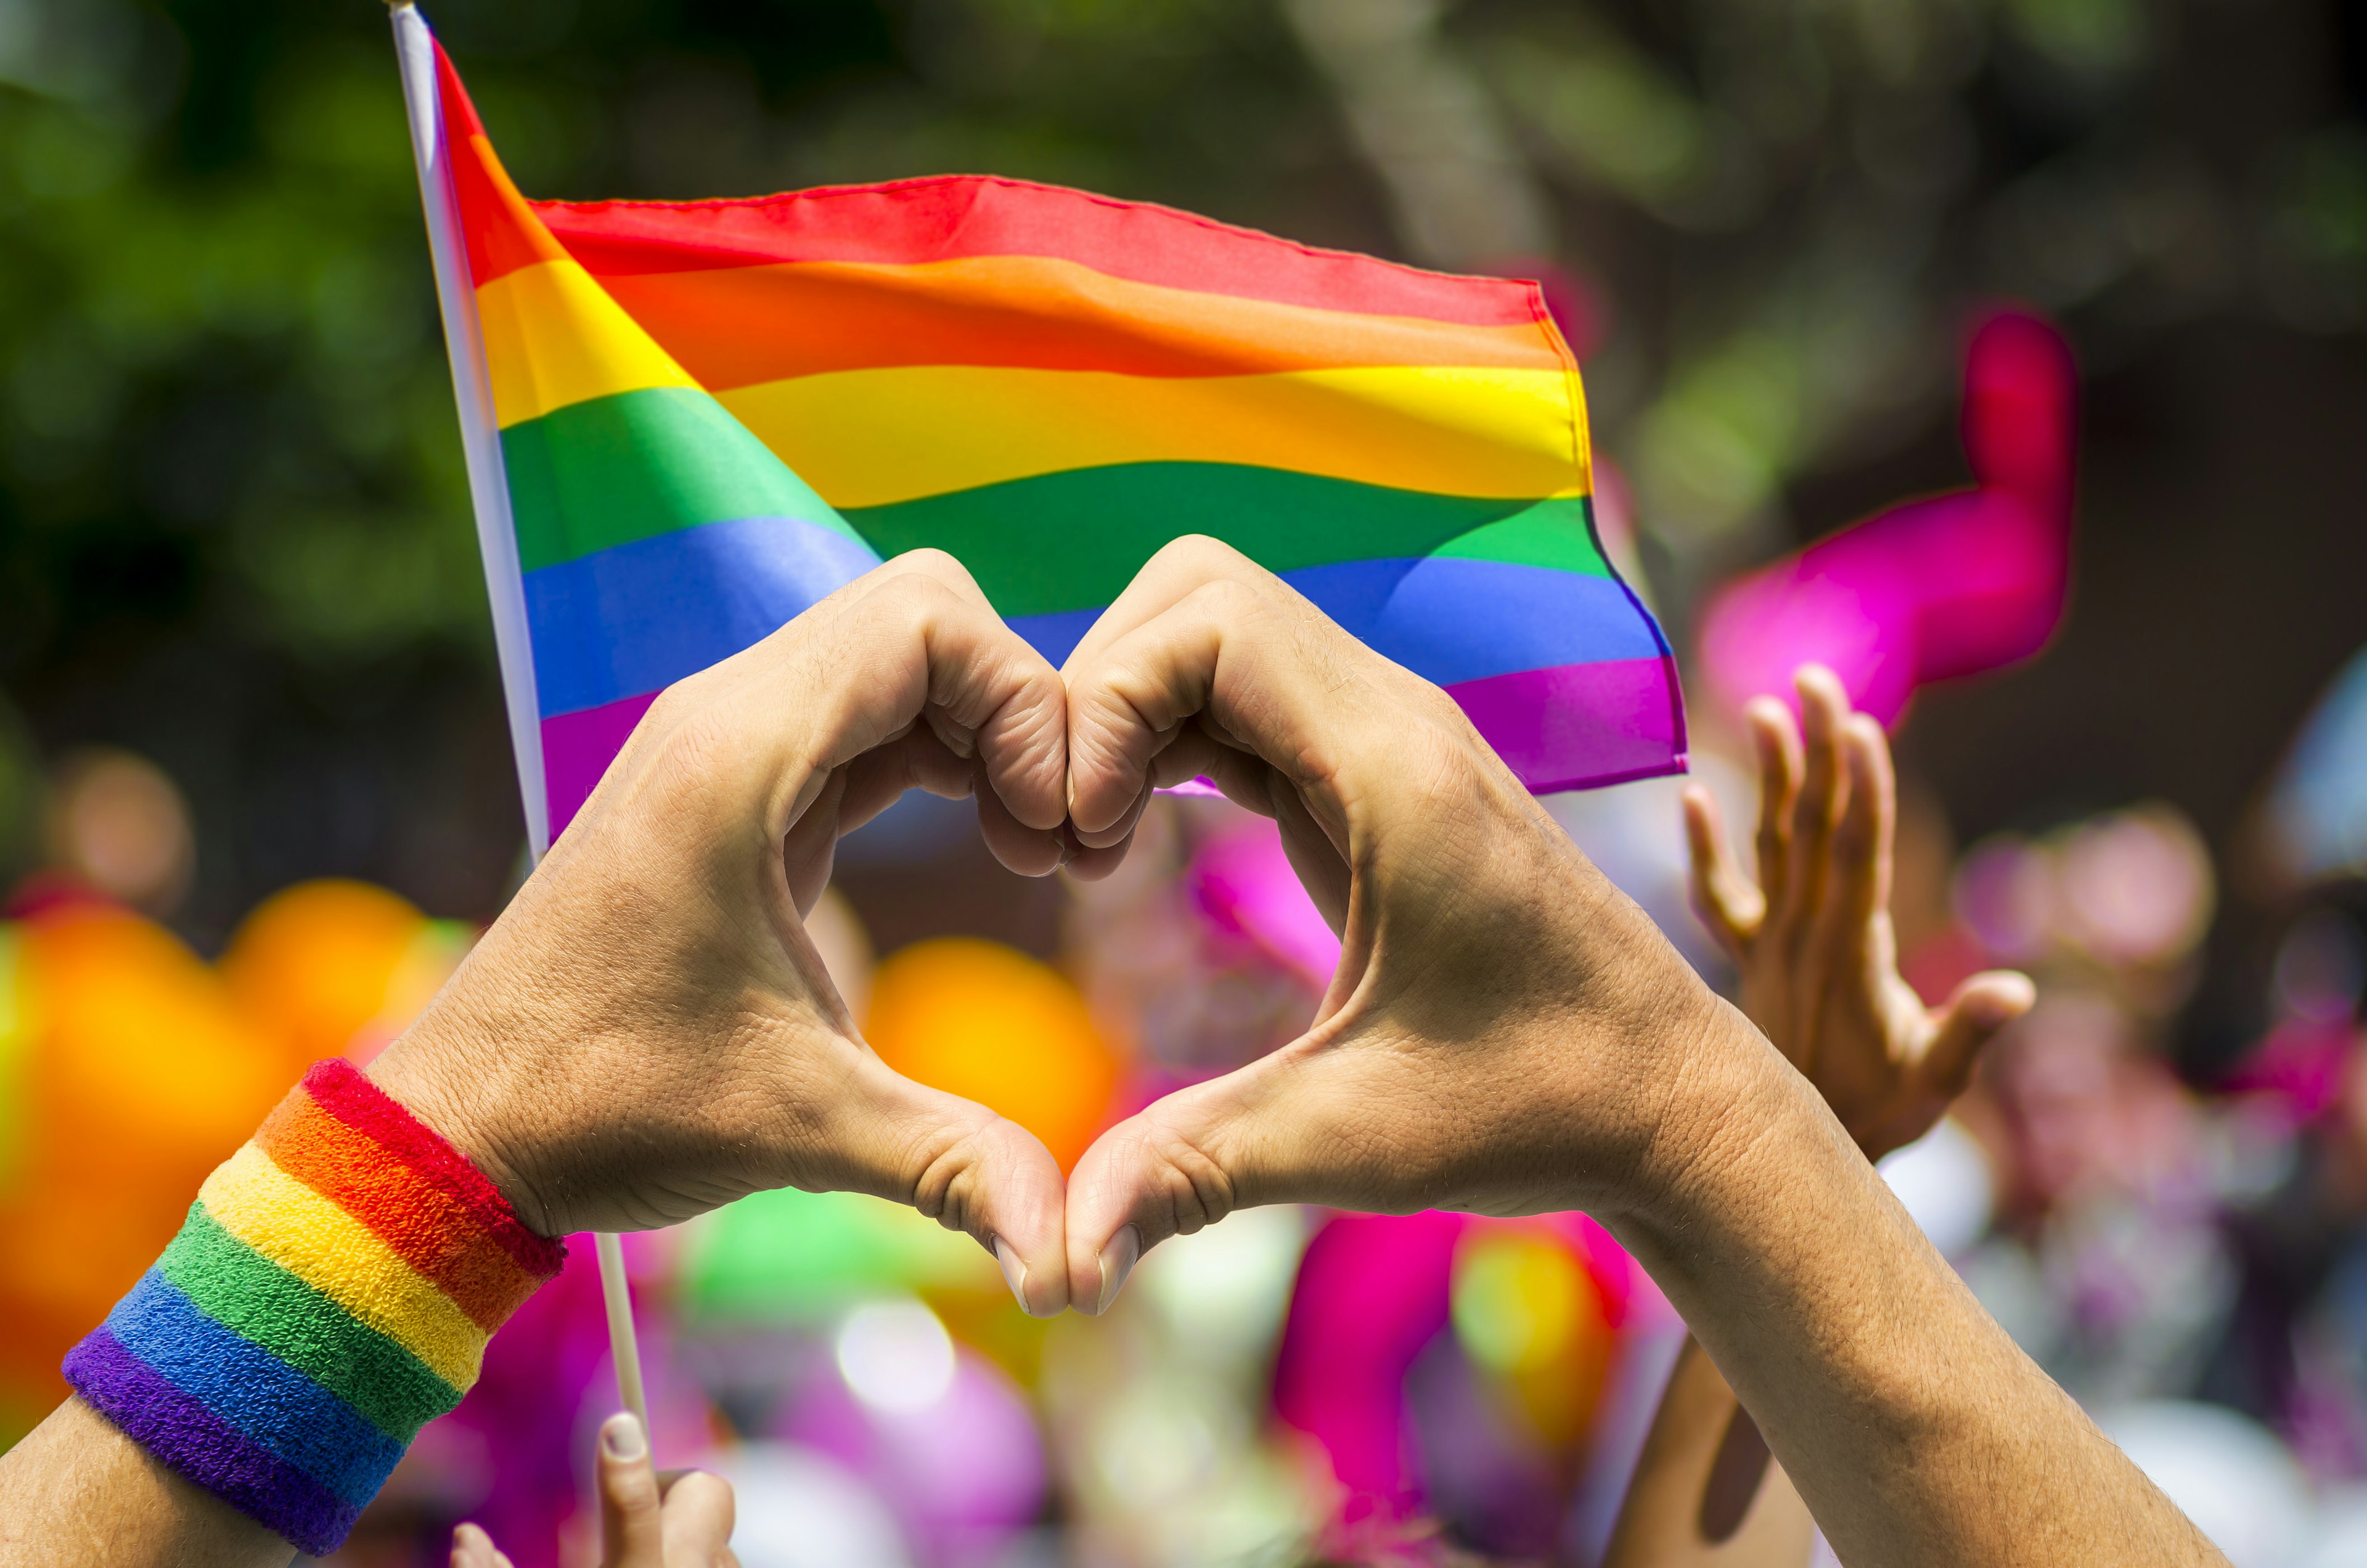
332, 967
135, 1077
990, 1024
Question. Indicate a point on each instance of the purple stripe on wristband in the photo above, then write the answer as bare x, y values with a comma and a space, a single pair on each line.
176, 1427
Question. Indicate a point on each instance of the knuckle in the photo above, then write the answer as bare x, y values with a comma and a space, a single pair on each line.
1185, 1184
696, 745
945, 1173
1225, 600
918, 592
930, 557
1199, 552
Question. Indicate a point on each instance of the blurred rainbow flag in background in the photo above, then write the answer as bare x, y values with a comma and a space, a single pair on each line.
687, 421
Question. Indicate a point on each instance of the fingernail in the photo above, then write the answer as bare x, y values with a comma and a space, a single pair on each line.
1118, 1260
621, 1440
1014, 1273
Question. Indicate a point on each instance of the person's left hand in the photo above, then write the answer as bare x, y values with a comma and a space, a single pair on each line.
648, 1032
682, 1519
1813, 937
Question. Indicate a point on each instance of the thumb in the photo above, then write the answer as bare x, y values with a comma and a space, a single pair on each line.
1980, 1008
969, 1170
1178, 1165
631, 1525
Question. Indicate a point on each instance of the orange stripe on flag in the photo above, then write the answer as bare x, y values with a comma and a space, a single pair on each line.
742, 326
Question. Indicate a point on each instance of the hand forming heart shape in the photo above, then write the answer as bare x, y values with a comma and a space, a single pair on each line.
1503, 1029
648, 1032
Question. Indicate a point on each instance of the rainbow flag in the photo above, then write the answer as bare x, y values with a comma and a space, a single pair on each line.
688, 421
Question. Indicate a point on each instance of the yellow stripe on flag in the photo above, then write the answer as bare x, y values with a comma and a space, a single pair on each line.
875, 437
553, 337
318, 1243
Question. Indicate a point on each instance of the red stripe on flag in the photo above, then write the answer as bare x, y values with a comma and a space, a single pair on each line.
951, 215
501, 230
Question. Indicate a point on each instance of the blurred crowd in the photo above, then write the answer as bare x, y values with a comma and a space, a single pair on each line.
233, 532
2188, 1257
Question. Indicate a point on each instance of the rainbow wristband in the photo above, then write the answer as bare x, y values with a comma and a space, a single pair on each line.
330, 1293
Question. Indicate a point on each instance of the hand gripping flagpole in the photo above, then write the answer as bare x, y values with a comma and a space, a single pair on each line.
489, 489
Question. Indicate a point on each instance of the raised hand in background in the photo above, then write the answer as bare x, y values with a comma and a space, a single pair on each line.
1813, 937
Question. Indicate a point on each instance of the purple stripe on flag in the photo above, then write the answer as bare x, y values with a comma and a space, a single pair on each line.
176, 1428
1576, 726
577, 748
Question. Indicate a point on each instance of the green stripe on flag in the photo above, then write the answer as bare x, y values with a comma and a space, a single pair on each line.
1557, 533
1073, 541
614, 469
253, 1297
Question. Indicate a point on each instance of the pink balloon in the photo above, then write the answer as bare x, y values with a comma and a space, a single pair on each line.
1934, 589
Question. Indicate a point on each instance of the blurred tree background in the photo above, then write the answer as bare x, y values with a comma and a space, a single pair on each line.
234, 532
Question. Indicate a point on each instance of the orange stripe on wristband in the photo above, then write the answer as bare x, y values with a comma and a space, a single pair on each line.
421, 1220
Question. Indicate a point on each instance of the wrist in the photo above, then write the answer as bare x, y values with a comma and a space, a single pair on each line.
1732, 1103
331, 1291
444, 1070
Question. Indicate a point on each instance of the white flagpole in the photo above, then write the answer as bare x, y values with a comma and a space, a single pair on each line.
472, 389
480, 440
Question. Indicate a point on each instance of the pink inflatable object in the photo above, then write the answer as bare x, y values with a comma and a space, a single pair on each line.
1934, 589
1373, 1291
1245, 886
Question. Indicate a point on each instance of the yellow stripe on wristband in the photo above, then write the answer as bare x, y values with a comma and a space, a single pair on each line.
321, 1243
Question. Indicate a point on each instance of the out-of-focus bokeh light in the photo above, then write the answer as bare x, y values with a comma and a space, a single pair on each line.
795, 1509
2132, 889
845, 948
2136, 887
1222, 1290
1528, 1314
1945, 1180
964, 1473
129, 1074
338, 967
1516, 1301
1932, 589
119, 826
987, 1023
793, 1257
895, 1356
2005, 895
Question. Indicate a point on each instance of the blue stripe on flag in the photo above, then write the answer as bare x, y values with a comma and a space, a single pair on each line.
1447, 618
641, 616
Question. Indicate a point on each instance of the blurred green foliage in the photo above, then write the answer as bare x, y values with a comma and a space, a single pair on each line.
227, 449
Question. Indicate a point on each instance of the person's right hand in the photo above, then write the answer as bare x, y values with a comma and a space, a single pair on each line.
647, 1520
1506, 1032
647, 1032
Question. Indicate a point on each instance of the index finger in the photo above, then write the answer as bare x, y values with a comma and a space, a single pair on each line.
912, 641
1203, 630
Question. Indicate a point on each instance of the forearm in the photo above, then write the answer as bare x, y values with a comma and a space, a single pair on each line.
1706, 1492
77, 1491
1916, 1432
